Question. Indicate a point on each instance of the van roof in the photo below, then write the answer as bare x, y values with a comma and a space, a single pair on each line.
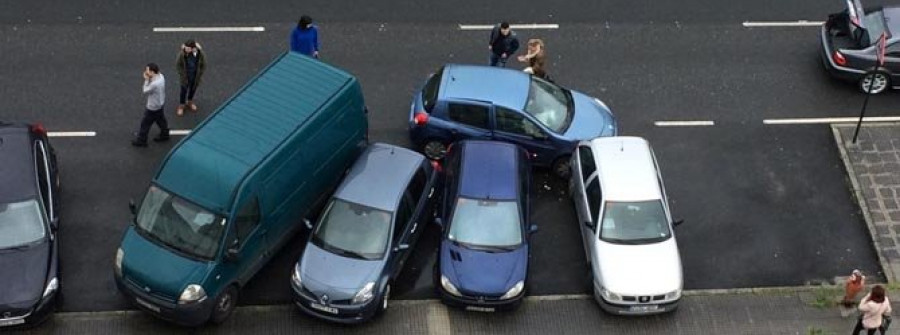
626, 169
208, 166
379, 176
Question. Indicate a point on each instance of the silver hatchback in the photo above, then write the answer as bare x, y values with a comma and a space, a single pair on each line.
626, 226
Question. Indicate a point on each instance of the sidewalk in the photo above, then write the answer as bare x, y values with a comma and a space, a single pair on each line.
768, 311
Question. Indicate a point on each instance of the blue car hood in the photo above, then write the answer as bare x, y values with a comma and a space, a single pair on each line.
590, 120
483, 273
156, 268
323, 272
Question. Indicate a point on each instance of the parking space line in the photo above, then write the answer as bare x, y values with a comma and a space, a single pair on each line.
179, 132
684, 123
207, 29
513, 26
798, 23
832, 120
71, 134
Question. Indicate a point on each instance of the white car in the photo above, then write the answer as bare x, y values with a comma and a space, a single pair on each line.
626, 226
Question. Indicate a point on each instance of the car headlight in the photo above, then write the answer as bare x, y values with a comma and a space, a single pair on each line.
673, 295
295, 278
193, 293
514, 291
118, 266
51, 287
608, 295
365, 294
448, 286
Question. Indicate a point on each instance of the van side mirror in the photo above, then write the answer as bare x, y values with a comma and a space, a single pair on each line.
307, 223
232, 253
401, 247
677, 222
132, 207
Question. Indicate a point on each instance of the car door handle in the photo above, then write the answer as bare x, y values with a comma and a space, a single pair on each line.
430, 193
415, 225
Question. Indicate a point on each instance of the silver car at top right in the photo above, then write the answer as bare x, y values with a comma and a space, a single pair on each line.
626, 226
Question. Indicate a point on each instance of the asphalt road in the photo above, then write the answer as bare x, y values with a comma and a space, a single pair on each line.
764, 205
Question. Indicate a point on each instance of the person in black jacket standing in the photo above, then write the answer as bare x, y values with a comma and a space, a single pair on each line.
503, 44
191, 63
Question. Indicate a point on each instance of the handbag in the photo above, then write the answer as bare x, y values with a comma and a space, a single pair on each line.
885, 322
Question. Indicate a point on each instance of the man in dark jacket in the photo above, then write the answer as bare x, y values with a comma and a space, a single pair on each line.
503, 43
191, 63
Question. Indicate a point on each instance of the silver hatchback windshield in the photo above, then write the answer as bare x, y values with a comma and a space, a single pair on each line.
638, 222
486, 223
353, 230
179, 224
21, 223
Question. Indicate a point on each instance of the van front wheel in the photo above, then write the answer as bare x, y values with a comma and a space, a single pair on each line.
225, 305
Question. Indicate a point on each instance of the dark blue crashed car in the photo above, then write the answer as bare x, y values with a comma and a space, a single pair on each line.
483, 259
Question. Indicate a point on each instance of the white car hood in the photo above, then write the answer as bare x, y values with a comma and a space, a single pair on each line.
648, 269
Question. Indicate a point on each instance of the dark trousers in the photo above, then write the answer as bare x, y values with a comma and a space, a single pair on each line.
187, 91
859, 327
497, 59
151, 117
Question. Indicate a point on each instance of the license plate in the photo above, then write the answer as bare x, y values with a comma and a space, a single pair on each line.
647, 308
479, 309
323, 308
148, 305
11, 322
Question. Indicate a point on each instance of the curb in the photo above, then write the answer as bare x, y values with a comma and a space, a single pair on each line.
889, 272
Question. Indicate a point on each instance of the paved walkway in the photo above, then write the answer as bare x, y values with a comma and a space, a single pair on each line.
873, 167
766, 312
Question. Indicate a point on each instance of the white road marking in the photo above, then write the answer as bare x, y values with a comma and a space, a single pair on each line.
684, 123
207, 29
800, 23
832, 120
513, 26
179, 132
71, 134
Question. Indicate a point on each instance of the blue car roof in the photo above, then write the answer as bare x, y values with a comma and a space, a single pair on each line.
379, 176
488, 170
500, 86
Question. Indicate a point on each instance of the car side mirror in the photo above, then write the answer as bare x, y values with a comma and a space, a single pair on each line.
132, 207
677, 222
401, 247
54, 224
307, 223
533, 229
439, 222
589, 224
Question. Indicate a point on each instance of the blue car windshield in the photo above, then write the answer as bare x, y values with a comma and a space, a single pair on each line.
486, 223
353, 230
21, 223
549, 104
178, 224
638, 222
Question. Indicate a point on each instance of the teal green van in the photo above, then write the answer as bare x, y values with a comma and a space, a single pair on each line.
231, 193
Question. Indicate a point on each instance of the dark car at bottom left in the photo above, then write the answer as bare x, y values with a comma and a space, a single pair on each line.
29, 209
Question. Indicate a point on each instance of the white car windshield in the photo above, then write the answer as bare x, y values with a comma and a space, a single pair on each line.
179, 224
353, 230
549, 104
21, 223
486, 223
637, 222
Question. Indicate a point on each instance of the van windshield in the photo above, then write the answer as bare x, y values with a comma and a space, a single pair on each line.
178, 224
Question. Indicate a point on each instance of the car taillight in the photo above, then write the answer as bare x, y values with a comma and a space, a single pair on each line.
436, 165
39, 128
839, 58
420, 118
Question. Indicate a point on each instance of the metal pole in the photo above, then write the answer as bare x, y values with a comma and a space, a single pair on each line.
862, 113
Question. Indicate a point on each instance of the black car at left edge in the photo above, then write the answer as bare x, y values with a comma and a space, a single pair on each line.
29, 209
852, 45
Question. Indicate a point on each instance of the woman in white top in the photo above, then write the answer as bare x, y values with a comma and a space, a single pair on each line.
874, 306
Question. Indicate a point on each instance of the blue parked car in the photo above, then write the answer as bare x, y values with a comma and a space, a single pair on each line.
483, 259
367, 232
491, 103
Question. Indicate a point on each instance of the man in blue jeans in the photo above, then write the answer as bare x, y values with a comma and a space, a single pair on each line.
503, 44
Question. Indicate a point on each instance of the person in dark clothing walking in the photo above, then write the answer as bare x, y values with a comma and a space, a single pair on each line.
155, 90
305, 37
503, 44
191, 63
